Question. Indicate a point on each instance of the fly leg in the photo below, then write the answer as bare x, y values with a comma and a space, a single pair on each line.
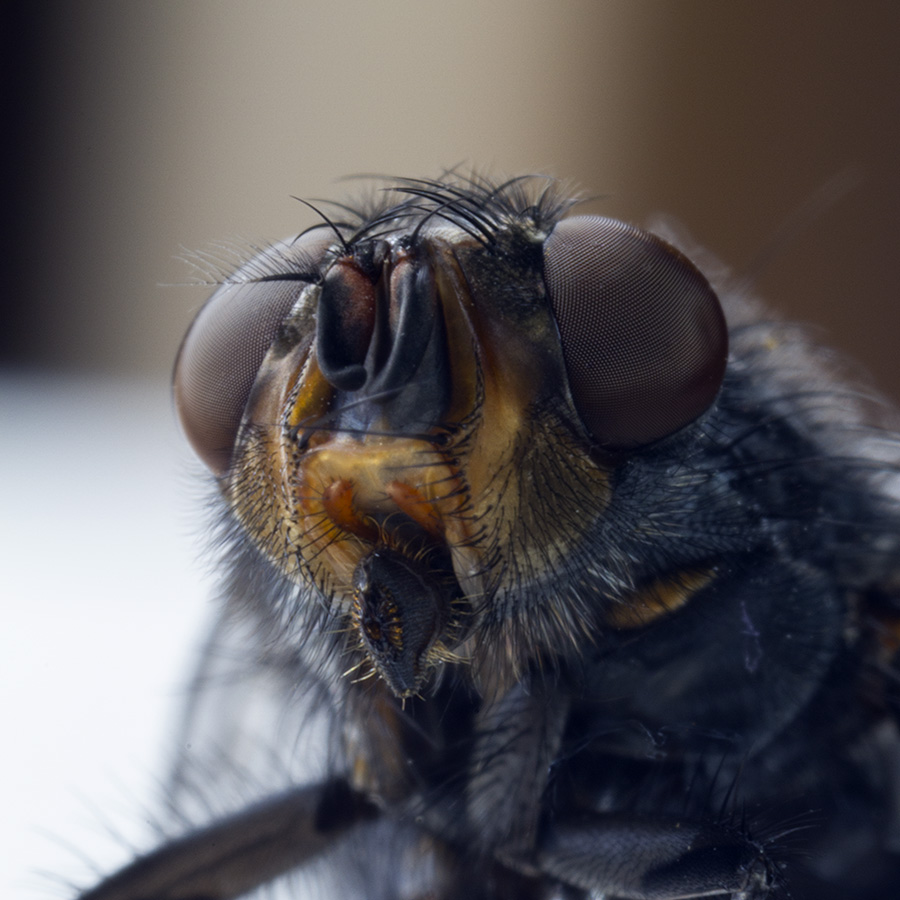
237, 854
517, 739
632, 858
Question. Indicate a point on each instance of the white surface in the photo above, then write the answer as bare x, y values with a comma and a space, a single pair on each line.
104, 602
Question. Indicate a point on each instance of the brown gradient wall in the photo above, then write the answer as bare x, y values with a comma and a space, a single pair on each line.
142, 130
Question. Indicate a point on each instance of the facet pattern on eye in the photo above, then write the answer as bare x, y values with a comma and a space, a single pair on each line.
221, 354
642, 331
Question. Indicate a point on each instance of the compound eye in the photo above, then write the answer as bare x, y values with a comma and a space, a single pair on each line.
643, 334
225, 346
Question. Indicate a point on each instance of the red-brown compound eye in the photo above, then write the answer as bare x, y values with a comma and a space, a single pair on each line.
643, 334
226, 344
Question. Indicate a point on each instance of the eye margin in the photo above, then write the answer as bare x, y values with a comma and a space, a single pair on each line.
611, 287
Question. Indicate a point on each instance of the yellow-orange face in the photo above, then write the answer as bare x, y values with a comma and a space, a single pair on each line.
417, 414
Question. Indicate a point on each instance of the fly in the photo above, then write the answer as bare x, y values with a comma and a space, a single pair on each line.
551, 570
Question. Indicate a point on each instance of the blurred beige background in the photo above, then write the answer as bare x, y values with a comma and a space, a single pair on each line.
143, 129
